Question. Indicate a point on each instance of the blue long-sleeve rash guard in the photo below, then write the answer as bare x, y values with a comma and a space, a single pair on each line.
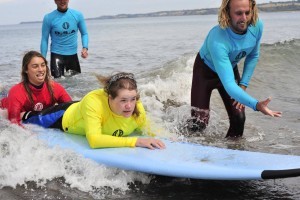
63, 28
223, 49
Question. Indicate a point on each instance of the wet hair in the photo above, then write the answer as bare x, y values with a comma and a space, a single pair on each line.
224, 16
122, 80
24, 76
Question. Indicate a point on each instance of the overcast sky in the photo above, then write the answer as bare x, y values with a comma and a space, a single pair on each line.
16, 11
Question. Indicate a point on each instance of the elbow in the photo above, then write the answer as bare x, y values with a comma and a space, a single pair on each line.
91, 141
92, 144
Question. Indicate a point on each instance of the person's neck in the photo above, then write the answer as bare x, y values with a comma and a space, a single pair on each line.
63, 11
238, 32
37, 86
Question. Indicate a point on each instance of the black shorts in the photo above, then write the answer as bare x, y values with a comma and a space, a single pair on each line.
61, 63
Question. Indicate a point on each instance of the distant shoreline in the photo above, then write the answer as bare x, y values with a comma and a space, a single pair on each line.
265, 7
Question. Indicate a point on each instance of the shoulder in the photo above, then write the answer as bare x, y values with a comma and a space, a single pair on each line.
51, 14
217, 30
140, 107
259, 25
58, 89
17, 92
257, 29
141, 119
218, 37
96, 101
96, 96
55, 84
17, 88
97, 92
76, 12
217, 33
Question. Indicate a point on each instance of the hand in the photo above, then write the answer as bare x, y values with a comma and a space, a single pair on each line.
238, 105
84, 53
262, 106
150, 143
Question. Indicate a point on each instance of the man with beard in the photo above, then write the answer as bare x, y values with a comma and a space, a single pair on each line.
236, 37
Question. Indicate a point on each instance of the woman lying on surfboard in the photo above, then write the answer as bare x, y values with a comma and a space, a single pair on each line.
104, 116
36, 92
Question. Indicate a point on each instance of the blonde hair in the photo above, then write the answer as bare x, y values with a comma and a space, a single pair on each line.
224, 18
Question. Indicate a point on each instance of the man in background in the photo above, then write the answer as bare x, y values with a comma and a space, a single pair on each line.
62, 25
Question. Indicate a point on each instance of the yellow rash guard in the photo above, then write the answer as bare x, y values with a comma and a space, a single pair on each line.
93, 118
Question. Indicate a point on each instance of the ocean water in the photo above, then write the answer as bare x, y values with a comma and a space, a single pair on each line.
161, 53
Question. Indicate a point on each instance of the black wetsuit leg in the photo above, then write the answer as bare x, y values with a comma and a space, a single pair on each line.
204, 81
57, 65
237, 117
62, 63
72, 63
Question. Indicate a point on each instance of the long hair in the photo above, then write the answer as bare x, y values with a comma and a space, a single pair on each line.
224, 17
24, 77
114, 83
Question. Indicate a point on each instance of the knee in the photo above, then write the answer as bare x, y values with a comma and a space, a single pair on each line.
199, 121
240, 118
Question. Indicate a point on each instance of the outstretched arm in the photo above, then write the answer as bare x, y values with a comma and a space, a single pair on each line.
262, 106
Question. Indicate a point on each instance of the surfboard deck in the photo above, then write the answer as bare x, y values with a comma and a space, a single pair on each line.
185, 160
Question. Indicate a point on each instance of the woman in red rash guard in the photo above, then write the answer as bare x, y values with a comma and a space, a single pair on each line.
36, 91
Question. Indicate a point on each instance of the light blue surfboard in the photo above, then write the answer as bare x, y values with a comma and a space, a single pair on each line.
184, 160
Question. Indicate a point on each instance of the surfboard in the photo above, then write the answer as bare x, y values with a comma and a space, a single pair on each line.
183, 160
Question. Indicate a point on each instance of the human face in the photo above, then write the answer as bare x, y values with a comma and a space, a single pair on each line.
62, 5
240, 15
124, 103
36, 71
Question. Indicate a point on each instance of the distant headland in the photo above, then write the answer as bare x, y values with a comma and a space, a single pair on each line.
265, 7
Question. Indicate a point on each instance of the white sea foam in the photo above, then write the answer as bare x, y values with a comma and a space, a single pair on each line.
161, 52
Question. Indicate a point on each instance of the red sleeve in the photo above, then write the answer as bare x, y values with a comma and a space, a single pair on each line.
60, 93
16, 102
3, 103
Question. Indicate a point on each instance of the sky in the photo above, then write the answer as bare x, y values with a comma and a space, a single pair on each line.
16, 11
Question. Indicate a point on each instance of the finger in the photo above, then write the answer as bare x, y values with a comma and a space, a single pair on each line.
150, 146
267, 101
277, 114
155, 145
158, 144
235, 103
161, 145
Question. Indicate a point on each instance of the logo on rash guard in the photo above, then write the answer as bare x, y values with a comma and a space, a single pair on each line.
38, 107
240, 56
65, 25
118, 133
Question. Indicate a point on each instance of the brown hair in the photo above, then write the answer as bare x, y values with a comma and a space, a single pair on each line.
24, 77
114, 83
224, 18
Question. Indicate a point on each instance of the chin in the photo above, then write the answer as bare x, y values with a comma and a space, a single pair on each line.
127, 115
